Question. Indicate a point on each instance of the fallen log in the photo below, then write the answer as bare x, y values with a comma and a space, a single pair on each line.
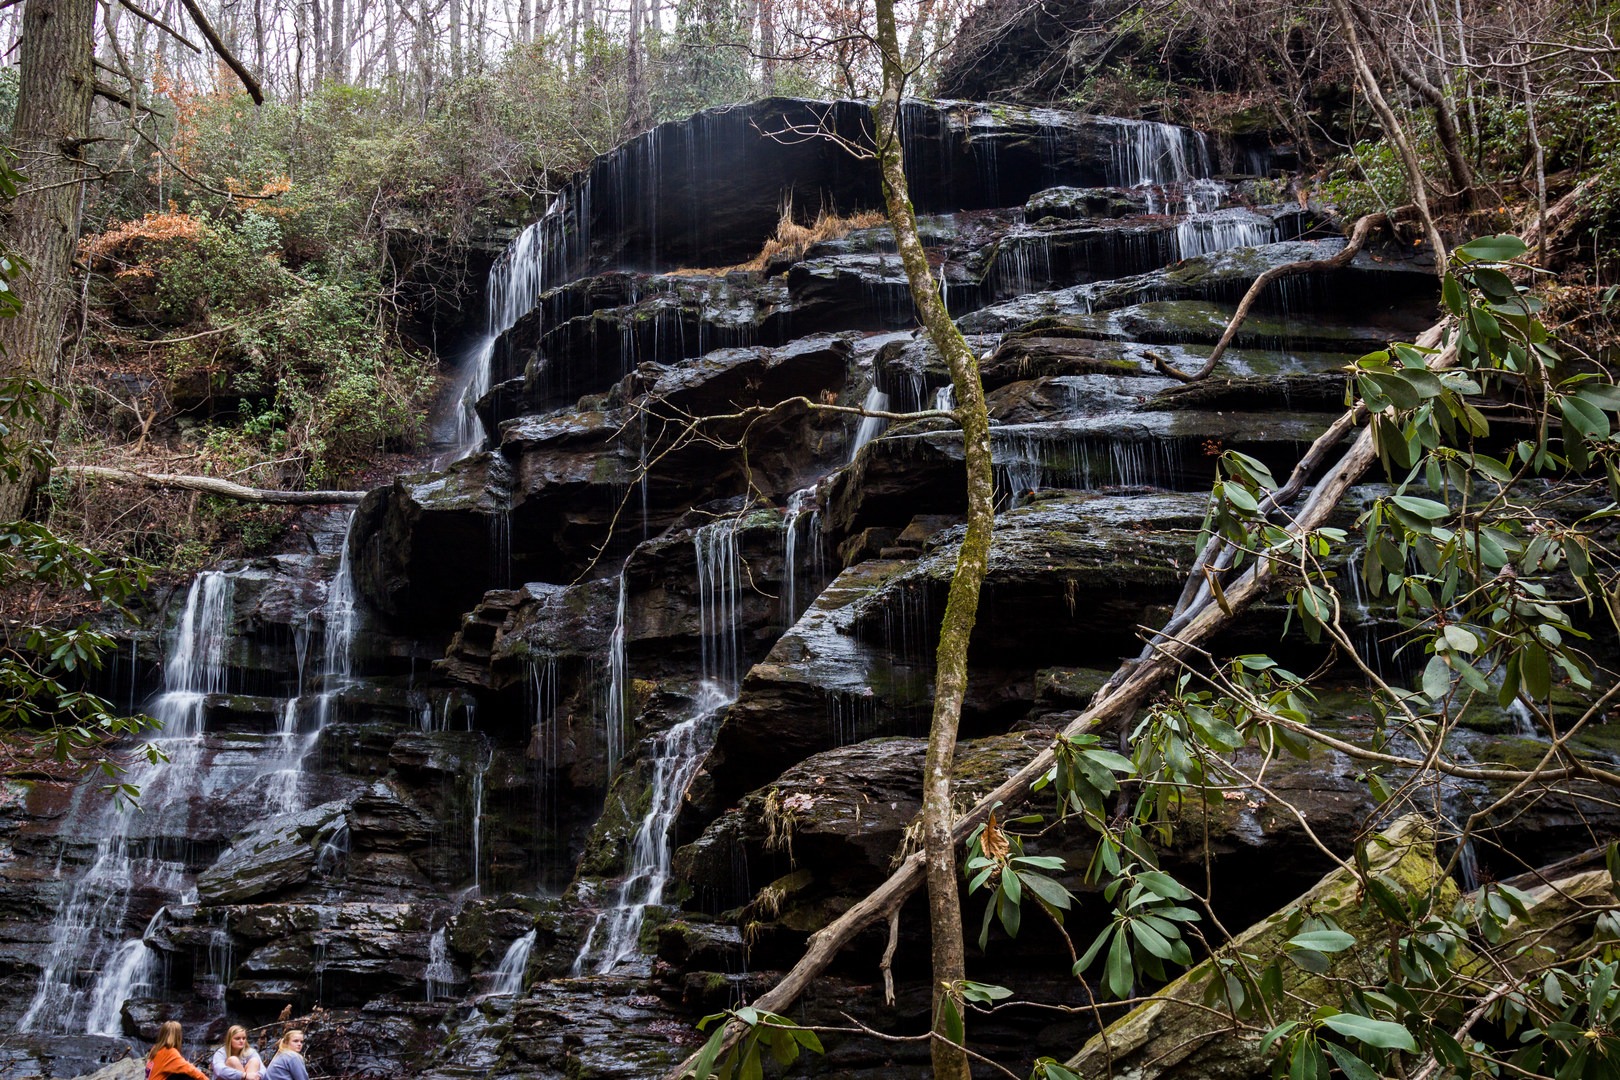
212, 485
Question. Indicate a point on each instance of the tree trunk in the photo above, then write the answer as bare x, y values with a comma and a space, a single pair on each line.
962, 604
637, 113
1393, 130
1445, 118
767, 46
337, 52
213, 485
455, 40
56, 84
260, 51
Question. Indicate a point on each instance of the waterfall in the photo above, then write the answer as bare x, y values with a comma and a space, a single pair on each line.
618, 679
341, 617
719, 576
280, 786
676, 755
1204, 234
536, 260
87, 932
478, 826
1524, 721
466, 431
1023, 262
871, 426
439, 976
129, 969
790, 549
508, 977
1154, 153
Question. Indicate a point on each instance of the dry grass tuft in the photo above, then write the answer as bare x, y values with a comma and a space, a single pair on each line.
792, 239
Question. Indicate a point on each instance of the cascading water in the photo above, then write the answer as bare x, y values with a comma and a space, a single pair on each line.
508, 975
1154, 153
1207, 233
719, 573
618, 681
280, 788
341, 619
794, 513
871, 426
478, 825
675, 756
537, 259
439, 976
87, 933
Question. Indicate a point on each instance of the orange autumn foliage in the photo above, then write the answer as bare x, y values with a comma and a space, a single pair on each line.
123, 241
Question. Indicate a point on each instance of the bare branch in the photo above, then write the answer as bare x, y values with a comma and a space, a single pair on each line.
210, 485
1358, 240
139, 13
223, 51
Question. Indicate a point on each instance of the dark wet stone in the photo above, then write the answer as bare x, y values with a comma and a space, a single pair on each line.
277, 856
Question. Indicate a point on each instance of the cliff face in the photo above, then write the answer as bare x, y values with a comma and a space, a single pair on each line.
579, 736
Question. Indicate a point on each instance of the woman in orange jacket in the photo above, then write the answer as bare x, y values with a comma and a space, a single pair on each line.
165, 1061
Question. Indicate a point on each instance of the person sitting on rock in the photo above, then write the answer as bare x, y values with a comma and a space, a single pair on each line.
236, 1059
288, 1064
165, 1061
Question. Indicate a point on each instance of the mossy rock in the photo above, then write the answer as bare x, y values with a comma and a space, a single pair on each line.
1177, 1035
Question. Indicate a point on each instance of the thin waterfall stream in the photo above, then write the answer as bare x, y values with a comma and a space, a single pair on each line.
675, 756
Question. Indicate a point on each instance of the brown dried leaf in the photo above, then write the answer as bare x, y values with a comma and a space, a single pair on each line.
994, 841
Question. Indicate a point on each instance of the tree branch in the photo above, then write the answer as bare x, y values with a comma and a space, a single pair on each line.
210, 485
1358, 240
161, 25
223, 51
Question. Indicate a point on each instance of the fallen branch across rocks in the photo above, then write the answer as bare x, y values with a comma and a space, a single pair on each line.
212, 485
1358, 240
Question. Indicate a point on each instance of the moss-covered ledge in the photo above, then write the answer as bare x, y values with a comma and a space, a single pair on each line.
1177, 1035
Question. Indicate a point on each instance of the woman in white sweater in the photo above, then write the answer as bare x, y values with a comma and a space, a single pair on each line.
236, 1059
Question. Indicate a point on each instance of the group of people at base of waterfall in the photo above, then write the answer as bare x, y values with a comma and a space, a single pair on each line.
235, 1060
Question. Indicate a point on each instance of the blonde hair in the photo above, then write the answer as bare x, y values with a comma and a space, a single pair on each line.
230, 1036
286, 1037
168, 1038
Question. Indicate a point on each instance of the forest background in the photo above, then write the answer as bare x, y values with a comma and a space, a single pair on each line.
257, 289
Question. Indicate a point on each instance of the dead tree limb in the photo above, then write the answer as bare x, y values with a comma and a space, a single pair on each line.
211, 485
223, 51
140, 13
1358, 240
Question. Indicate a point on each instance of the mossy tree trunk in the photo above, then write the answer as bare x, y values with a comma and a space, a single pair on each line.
961, 609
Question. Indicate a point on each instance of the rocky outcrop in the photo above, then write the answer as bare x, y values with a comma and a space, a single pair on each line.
676, 506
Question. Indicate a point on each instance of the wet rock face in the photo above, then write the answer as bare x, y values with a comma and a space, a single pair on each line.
701, 192
679, 505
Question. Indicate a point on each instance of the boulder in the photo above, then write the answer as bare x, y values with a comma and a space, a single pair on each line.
275, 857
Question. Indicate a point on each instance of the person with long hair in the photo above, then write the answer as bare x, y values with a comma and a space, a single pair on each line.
165, 1061
288, 1064
236, 1059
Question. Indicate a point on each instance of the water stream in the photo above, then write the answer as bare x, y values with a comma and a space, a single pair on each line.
87, 934
675, 756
